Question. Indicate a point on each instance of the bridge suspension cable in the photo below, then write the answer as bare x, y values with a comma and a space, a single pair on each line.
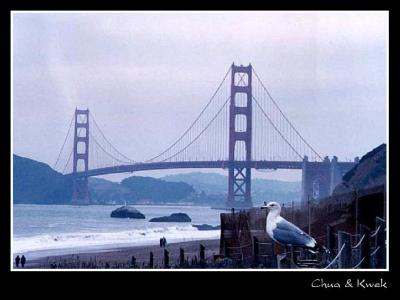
285, 118
194, 123
197, 137
69, 158
274, 137
129, 160
105, 151
65, 140
101, 153
70, 155
277, 130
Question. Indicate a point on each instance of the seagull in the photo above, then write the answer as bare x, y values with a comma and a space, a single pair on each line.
286, 233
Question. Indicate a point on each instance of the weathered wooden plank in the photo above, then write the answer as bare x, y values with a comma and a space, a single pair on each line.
344, 238
365, 247
380, 241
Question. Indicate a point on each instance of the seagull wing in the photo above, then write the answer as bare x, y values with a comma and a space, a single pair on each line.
289, 234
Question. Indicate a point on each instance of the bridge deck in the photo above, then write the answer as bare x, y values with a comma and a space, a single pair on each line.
222, 164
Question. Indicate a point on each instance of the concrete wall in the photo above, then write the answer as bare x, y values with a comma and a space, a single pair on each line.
320, 179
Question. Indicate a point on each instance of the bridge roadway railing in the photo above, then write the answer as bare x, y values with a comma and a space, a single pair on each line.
219, 164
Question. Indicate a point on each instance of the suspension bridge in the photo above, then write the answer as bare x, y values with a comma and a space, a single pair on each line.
240, 128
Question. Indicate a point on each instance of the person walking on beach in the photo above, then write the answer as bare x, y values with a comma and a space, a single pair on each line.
23, 260
164, 241
17, 260
161, 243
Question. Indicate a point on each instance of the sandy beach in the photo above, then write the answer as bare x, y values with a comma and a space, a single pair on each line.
121, 258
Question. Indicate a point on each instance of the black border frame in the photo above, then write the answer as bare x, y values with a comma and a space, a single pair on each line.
266, 282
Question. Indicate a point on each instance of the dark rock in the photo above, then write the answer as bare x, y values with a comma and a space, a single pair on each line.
207, 227
127, 212
178, 217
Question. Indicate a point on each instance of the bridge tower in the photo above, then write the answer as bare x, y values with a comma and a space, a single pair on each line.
80, 193
239, 179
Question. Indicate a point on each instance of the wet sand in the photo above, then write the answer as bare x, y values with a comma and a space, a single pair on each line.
121, 258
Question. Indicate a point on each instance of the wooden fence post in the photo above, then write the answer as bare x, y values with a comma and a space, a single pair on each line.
344, 238
181, 257
202, 255
274, 258
202, 252
133, 262
278, 261
292, 261
151, 264
330, 238
365, 247
293, 211
166, 259
309, 216
380, 241
256, 250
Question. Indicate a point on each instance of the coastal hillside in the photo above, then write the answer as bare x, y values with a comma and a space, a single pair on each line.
158, 190
104, 191
36, 182
262, 189
369, 172
144, 190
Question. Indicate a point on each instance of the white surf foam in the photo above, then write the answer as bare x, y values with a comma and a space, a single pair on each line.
87, 240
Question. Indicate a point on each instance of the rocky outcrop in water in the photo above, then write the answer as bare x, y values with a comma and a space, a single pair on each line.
177, 217
127, 212
207, 227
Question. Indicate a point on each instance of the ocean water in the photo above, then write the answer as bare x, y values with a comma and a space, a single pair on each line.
41, 230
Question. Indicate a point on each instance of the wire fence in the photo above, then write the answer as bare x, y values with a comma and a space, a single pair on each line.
366, 250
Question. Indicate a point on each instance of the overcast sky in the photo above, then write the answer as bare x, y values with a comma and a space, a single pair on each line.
146, 76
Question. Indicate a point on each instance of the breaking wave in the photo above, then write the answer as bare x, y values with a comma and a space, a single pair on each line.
136, 237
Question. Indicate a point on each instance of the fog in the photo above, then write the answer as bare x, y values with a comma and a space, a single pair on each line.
146, 76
